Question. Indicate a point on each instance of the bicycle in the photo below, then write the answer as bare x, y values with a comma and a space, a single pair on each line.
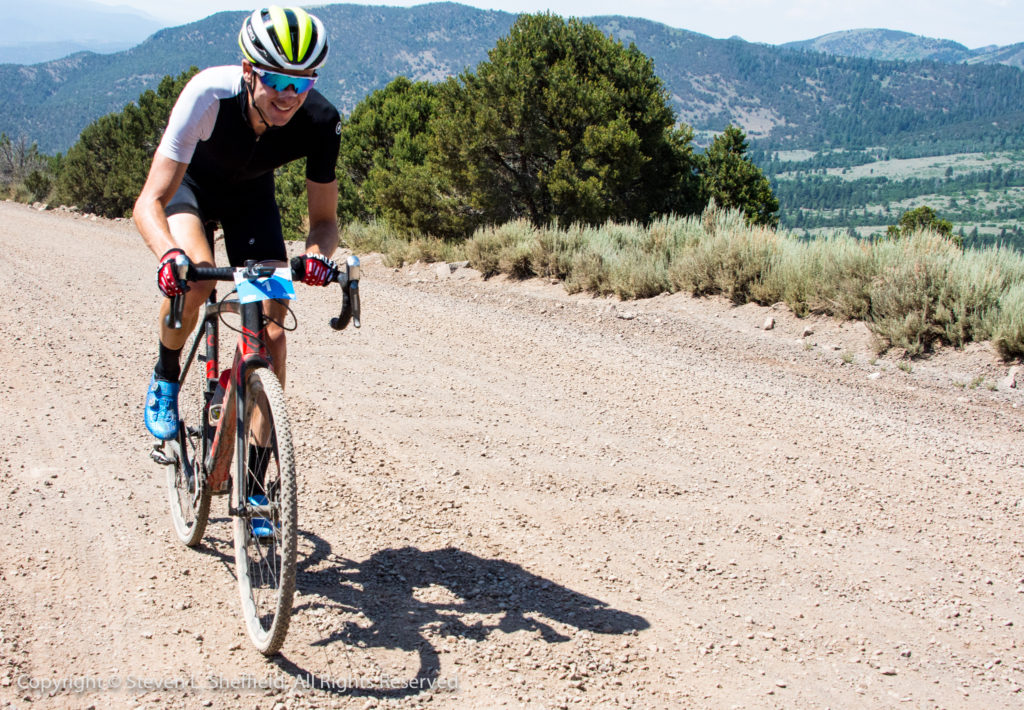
244, 403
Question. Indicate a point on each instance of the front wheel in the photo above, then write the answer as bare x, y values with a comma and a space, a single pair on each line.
188, 494
267, 513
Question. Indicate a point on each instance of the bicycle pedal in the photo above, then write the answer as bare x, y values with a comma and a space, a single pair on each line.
160, 456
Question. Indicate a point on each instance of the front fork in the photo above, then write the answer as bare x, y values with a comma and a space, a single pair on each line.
251, 352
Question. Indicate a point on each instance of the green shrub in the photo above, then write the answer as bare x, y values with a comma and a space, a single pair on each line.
830, 275
508, 248
19, 193
922, 219
1007, 324
516, 261
929, 292
39, 185
554, 250
638, 274
911, 295
980, 278
588, 272
732, 259
848, 268
398, 248
103, 172
290, 193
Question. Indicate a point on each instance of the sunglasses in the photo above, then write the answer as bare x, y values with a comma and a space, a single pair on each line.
283, 82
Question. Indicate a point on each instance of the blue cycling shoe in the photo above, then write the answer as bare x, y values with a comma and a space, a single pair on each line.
261, 528
162, 408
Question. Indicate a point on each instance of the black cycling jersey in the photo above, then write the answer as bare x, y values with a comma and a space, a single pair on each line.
230, 171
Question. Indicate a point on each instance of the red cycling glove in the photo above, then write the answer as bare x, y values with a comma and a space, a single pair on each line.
167, 277
320, 270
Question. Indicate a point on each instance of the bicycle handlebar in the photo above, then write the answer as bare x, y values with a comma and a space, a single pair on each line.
347, 277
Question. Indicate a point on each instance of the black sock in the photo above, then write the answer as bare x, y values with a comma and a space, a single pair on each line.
168, 364
259, 457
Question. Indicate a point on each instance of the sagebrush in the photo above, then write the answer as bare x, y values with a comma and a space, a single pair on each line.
914, 292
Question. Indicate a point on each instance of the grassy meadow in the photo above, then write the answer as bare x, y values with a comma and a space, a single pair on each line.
980, 193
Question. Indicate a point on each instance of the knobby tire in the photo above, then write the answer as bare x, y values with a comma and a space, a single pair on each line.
188, 494
265, 565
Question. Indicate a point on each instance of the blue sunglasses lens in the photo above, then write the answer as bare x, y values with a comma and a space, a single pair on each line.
281, 82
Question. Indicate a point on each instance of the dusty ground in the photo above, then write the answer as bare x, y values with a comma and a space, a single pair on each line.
522, 497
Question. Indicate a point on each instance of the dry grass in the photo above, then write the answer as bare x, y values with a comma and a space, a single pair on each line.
913, 293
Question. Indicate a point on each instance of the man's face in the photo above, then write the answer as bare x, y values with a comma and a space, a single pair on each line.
278, 107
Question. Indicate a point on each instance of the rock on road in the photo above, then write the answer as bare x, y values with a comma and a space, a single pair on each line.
510, 496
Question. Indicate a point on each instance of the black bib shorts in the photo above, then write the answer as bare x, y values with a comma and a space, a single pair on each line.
247, 211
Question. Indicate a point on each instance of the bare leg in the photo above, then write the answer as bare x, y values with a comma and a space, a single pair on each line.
161, 415
190, 237
275, 339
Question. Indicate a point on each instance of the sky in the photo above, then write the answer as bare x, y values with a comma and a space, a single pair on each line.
974, 23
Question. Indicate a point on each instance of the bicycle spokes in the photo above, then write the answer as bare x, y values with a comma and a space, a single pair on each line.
189, 497
262, 480
265, 528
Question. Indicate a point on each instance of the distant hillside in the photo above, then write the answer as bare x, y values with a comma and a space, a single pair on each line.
888, 45
37, 52
50, 29
891, 45
785, 97
369, 47
1011, 55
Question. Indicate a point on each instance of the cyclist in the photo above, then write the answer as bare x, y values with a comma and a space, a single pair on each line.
230, 128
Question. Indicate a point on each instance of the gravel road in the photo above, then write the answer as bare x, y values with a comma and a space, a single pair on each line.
513, 497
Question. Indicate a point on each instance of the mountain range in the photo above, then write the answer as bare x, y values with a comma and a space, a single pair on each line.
785, 96
893, 45
43, 30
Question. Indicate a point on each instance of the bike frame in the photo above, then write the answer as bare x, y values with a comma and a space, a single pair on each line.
199, 461
250, 352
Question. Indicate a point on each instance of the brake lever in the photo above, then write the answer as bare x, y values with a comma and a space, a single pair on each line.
349, 295
353, 288
173, 319
258, 270
298, 265
341, 322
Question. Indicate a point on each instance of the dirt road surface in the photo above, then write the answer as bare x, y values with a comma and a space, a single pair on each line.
512, 497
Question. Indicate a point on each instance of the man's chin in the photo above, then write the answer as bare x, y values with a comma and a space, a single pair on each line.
280, 117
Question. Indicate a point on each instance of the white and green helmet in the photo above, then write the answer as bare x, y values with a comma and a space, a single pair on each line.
286, 38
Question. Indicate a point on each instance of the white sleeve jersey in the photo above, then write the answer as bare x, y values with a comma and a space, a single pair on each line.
195, 113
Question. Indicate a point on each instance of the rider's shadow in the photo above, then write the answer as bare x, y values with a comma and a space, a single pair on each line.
406, 591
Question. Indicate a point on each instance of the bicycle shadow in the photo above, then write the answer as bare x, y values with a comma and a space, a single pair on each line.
472, 597
218, 542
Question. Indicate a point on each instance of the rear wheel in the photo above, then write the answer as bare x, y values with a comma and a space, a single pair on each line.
188, 493
267, 521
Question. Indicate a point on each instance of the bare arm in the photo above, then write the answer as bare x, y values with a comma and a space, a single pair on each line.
162, 182
323, 217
